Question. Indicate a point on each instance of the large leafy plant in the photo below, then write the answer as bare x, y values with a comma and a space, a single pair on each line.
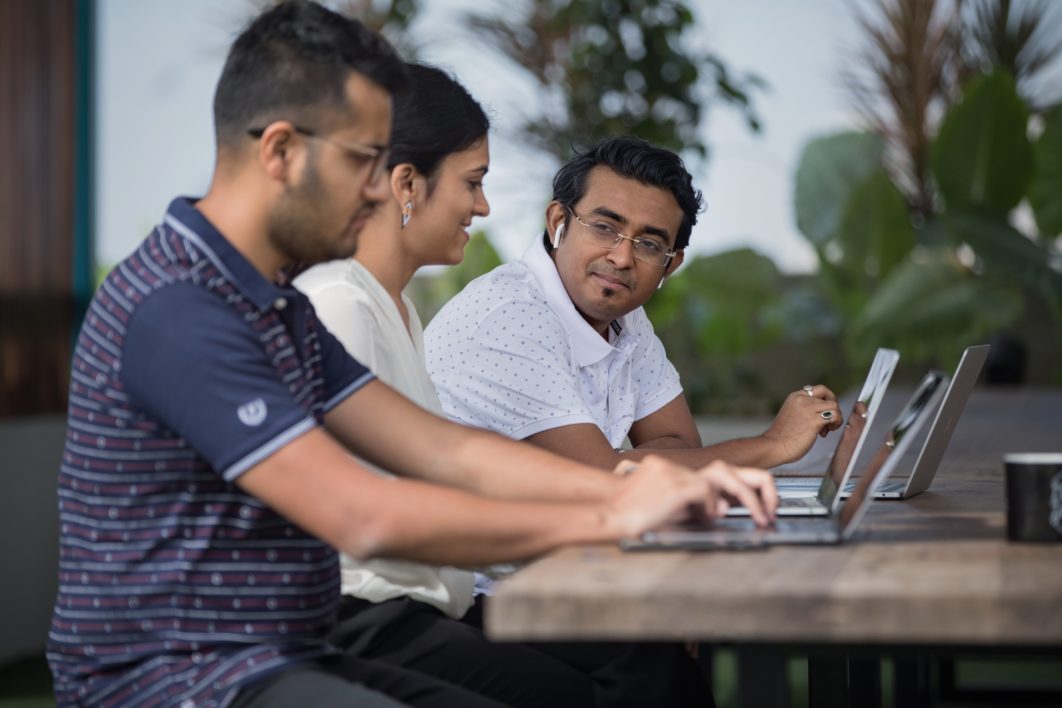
914, 221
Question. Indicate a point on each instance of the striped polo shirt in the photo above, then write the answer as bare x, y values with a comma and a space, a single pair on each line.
176, 587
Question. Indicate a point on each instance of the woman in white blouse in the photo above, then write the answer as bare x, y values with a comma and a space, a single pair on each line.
438, 157
412, 614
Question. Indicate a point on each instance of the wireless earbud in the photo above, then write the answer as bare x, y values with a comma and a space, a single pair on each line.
558, 235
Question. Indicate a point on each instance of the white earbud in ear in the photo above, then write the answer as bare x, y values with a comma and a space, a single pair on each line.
558, 235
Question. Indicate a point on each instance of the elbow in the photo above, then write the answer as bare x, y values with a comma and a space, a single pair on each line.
369, 537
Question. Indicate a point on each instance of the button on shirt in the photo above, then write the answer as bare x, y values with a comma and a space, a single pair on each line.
511, 353
176, 587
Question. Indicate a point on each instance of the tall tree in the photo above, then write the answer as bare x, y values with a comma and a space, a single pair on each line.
615, 66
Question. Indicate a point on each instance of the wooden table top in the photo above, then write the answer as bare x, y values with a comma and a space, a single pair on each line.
933, 570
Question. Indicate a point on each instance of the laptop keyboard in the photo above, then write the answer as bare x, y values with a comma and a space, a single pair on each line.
797, 483
813, 525
805, 502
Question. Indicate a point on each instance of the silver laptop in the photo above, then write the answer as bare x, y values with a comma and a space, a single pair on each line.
937, 439
951, 408
806, 501
731, 533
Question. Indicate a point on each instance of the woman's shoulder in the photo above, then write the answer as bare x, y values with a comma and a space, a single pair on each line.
335, 279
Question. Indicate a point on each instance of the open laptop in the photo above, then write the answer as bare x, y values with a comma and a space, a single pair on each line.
847, 451
732, 533
936, 441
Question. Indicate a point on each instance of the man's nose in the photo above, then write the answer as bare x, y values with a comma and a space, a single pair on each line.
377, 190
622, 256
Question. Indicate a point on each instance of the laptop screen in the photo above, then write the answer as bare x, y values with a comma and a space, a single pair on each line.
858, 424
947, 418
913, 416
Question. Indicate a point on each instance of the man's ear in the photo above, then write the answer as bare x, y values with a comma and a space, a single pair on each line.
279, 149
403, 182
555, 217
676, 261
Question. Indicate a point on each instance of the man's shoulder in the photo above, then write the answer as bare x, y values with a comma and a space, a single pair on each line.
507, 287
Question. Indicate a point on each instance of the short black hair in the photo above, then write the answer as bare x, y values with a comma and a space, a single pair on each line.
292, 62
636, 159
434, 116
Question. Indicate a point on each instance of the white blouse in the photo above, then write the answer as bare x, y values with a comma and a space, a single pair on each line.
358, 311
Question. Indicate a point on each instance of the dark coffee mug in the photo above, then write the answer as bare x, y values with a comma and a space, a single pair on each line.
1034, 496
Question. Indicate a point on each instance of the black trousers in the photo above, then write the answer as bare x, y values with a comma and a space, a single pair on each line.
349, 682
416, 636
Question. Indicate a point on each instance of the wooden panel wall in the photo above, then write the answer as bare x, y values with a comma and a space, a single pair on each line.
37, 153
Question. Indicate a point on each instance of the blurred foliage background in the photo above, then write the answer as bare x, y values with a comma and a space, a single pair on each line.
936, 224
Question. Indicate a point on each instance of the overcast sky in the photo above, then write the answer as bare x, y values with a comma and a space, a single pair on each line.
159, 60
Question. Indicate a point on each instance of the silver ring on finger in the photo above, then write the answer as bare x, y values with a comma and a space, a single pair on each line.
808, 390
826, 415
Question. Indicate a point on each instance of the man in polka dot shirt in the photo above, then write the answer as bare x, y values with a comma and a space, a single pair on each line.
556, 348
207, 480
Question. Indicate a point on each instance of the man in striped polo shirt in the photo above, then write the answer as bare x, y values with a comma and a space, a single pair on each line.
206, 481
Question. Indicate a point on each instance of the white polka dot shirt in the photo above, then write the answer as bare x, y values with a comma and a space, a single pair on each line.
512, 354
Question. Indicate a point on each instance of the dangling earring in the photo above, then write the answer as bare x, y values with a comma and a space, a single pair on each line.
407, 213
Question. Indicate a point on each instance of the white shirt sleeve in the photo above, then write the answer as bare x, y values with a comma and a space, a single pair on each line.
512, 372
655, 378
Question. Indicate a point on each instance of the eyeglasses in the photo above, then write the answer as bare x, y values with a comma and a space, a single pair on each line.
646, 250
376, 155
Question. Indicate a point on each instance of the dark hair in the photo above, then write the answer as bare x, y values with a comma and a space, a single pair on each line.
293, 62
433, 116
636, 159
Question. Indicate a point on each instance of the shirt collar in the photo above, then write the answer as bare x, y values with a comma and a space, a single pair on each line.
589, 346
183, 217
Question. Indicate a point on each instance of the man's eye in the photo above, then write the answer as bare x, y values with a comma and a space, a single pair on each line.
602, 229
650, 246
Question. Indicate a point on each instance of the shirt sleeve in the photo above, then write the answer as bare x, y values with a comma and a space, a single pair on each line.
193, 365
655, 377
342, 374
514, 372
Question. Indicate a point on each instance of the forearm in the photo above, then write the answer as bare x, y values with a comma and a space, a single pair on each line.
747, 452
443, 526
434, 449
498, 467
313, 482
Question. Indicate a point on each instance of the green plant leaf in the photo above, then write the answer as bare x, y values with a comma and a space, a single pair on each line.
829, 168
929, 308
876, 232
718, 302
982, 157
1045, 190
1006, 253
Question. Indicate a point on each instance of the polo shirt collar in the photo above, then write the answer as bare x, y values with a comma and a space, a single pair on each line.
183, 217
589, 346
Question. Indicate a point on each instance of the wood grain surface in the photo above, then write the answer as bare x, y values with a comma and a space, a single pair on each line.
934, 570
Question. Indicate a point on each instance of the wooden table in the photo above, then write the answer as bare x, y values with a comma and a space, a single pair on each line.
933, 571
